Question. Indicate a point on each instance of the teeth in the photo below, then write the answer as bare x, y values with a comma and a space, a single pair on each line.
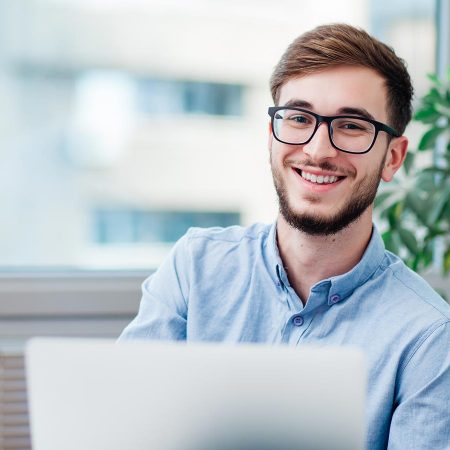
319, 179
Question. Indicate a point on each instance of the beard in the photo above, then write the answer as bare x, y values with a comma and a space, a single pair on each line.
362, 197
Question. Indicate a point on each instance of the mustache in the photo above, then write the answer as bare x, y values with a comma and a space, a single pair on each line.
324, 165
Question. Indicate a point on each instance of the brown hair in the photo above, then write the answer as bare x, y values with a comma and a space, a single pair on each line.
340, 44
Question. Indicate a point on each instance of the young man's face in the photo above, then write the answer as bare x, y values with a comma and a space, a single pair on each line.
327, 208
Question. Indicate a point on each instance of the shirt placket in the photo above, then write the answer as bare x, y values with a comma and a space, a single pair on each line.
299, 320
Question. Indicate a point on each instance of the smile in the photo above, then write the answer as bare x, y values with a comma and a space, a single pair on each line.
318, 179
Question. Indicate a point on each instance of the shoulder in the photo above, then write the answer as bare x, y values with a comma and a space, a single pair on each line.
216, 240
225, 248
210, 257
411, 290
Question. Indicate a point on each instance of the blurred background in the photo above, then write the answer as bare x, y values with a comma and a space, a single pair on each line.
123, 123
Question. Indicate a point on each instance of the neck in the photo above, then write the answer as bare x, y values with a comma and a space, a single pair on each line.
310, 259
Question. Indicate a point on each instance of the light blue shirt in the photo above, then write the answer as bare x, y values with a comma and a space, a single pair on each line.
229, 285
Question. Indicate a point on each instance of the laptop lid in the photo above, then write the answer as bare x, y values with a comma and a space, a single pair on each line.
102, 395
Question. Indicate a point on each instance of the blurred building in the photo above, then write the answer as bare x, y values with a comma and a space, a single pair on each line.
122, 123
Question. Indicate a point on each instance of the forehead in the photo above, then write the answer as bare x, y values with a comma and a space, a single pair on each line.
340, 87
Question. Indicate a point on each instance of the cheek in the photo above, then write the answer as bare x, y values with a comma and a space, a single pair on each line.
270, 140
276, 151
363, 165
282, 152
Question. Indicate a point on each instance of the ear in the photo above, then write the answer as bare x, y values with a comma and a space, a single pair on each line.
394, 158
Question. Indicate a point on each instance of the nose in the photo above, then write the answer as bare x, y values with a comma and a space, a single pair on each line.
320, 147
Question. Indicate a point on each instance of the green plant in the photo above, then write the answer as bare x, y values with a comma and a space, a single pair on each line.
416, 207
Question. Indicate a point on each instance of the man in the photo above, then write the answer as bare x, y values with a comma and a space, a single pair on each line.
320, 273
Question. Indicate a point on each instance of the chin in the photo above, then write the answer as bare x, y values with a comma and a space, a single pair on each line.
319, 224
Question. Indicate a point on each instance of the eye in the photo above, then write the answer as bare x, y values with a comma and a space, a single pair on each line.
351, 126
300, 119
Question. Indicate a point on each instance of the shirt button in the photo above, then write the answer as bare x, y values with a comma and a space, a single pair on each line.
335, 298
297, 321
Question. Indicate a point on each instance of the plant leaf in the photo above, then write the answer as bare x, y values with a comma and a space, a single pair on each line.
426, 182
394, 213
408, 162
438, 209
429, 138
418, 207
389, 241
446, 262
427, 115
434, 78
432, 96
380, 198
427, 255
409, 240
437, 170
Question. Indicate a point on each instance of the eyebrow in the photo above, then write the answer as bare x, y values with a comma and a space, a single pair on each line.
354, 111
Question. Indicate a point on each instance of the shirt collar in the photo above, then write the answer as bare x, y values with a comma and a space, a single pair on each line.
341, 286
344, 285
274, 257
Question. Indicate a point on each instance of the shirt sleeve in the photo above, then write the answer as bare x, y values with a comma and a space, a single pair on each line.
421, 418
163, 308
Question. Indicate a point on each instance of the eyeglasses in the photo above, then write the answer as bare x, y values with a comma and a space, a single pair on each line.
350, 134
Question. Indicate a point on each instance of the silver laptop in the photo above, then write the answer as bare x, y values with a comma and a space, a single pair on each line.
101, 395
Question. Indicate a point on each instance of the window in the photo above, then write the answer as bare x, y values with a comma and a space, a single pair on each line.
162, 97
137, 226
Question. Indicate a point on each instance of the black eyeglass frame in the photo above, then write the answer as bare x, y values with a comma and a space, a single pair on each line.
379, 126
